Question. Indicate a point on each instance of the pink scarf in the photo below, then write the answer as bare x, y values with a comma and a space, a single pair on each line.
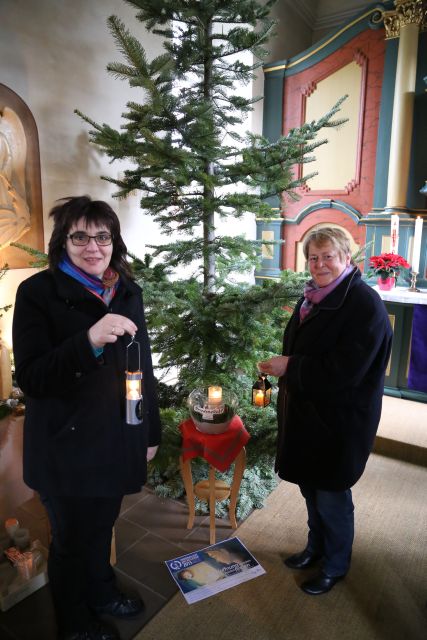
314, 294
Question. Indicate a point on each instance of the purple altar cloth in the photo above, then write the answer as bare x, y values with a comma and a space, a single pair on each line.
417, 378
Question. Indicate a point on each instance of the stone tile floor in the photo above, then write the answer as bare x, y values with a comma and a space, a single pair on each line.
149, 531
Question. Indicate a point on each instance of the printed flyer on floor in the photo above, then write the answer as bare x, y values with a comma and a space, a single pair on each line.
204, 573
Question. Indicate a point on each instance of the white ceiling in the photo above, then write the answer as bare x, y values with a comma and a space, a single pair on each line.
325, 14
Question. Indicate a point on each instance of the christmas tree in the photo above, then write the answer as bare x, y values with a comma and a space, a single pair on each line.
192, 165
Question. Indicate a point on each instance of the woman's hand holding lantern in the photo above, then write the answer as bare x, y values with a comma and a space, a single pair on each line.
109, 328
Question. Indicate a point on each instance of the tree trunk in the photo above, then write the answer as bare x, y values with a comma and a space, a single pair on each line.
208, 193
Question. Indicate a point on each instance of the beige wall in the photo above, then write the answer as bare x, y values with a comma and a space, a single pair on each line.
336, 161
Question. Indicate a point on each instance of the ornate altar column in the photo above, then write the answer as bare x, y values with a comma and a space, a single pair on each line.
403, 23
400, 153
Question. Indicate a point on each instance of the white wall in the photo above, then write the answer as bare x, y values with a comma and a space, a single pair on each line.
331, 13
293, 36
53, 54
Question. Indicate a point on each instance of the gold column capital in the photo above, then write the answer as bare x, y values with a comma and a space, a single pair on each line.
407, 12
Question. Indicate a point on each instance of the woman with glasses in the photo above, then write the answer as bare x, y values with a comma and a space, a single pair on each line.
72, 325
331, 381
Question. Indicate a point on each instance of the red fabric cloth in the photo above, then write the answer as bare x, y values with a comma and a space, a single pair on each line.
220, 449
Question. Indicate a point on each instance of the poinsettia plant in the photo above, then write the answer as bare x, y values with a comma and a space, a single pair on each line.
387, 265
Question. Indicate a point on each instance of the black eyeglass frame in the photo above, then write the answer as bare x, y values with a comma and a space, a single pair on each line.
70, 236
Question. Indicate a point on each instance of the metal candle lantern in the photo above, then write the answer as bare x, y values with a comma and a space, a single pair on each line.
261, 391
133, 388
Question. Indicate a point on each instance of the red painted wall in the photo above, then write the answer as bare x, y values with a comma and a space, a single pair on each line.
369, 45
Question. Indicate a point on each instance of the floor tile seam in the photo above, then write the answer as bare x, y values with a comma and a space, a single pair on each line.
127, 519
187, 534
167, 540
134, 505
179, 545
121, 553
181, 501
155, 535
191, 533
153, 530
204, 517
141, 584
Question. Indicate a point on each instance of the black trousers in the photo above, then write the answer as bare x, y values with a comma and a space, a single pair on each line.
80, 574
330, 527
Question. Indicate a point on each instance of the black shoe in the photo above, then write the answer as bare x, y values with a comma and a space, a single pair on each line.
321, 584
96, 632
121, 607
302, 560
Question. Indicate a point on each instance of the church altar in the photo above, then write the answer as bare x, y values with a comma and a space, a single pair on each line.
406, 375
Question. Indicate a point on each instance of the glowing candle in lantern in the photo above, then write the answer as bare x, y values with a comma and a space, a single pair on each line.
394, 243
261, 391
214, 396
416, 250
259, 398
133, 397
133, 387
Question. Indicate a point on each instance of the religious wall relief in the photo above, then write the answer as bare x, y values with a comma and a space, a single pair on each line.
14, 209
21, 215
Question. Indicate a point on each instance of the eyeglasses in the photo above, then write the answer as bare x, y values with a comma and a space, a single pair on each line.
81, 239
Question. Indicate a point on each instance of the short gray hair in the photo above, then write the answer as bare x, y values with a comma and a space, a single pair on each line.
322, 235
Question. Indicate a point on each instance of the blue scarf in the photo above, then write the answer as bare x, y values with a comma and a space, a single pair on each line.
104, 288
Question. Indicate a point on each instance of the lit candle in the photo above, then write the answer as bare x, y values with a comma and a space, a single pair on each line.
394, 243
134, 397
259, 398
214, 396
416, 249
133, 390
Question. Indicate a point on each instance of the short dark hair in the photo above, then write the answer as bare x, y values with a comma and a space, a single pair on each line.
97, 212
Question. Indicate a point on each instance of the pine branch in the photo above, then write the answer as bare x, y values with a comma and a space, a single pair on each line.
41, 259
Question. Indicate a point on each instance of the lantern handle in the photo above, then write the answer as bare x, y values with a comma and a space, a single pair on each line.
132, 343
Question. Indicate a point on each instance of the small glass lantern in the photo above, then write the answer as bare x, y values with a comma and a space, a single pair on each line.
133, 389
261, 391
212, 408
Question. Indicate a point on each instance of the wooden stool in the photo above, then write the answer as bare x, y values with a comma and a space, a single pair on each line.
212, 491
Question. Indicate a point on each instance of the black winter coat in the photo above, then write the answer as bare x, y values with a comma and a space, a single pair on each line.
330, 398
76, 441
